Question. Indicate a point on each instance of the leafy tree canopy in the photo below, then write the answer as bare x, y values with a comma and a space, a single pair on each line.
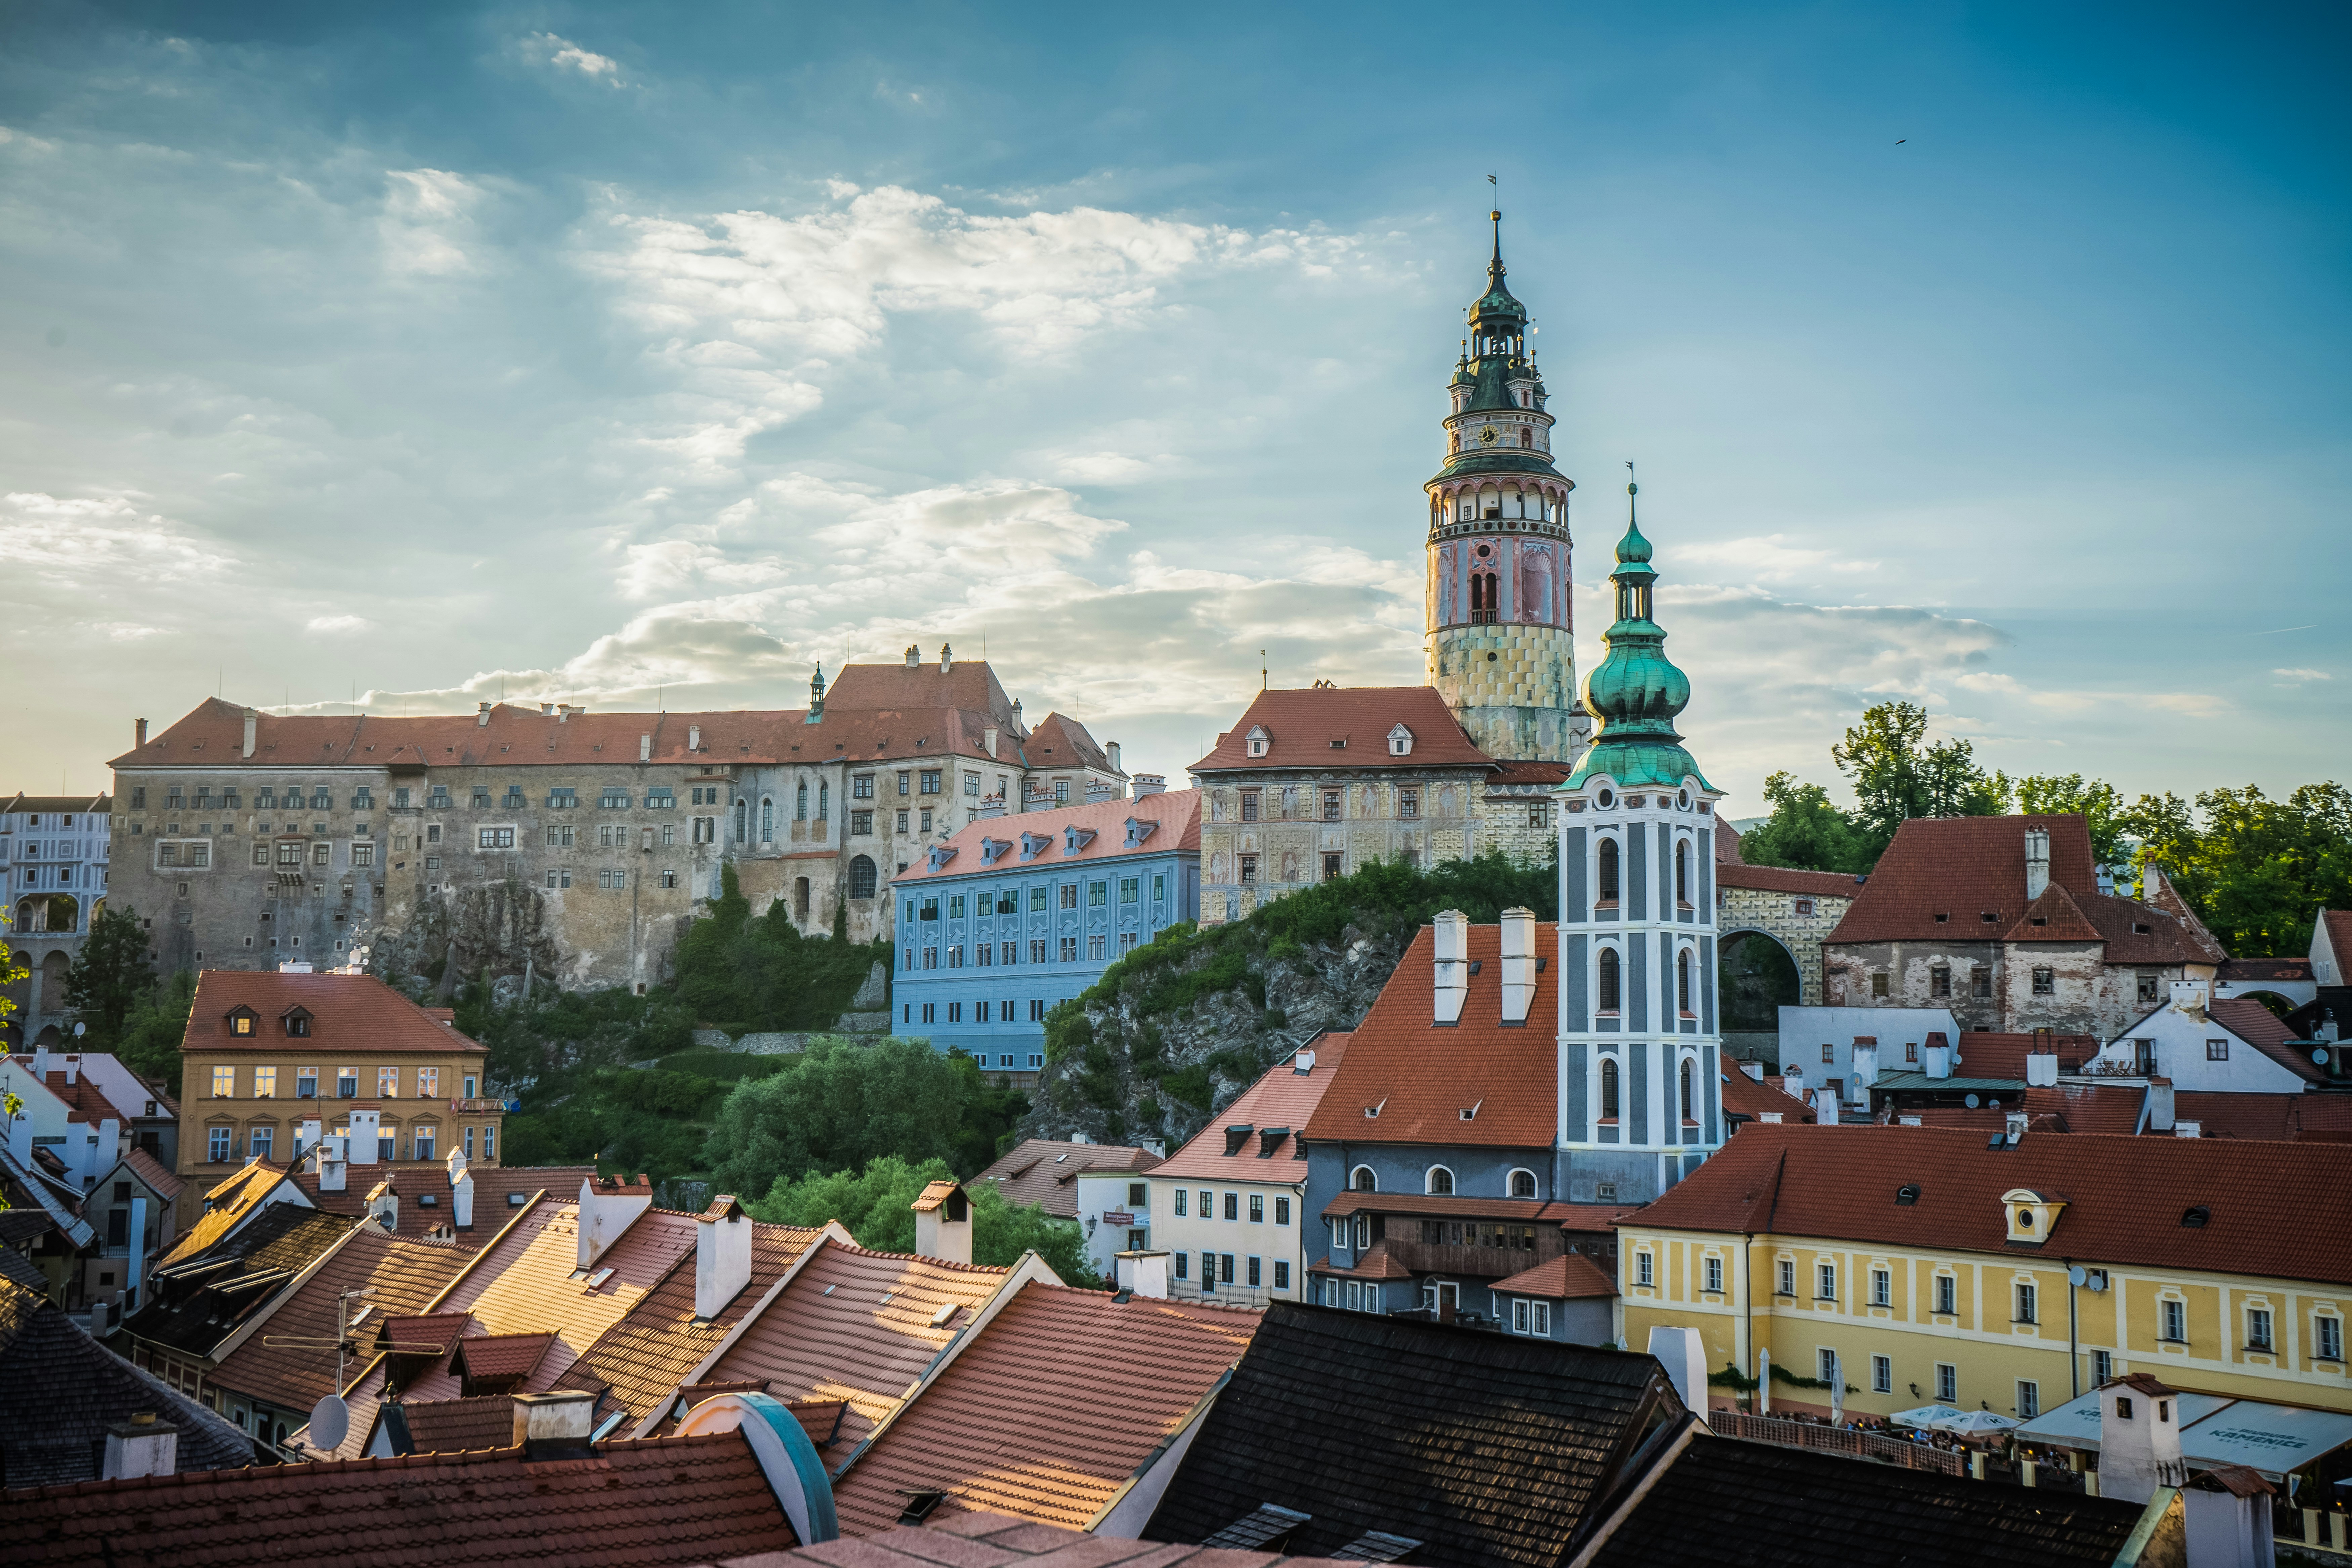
149, 1044
2257, 870
1896, 776
109, 977
875, 1206
1806, 831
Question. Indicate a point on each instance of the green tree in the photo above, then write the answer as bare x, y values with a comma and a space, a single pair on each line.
12, 970
2100, 806
1806, 831
149, 1044
2257, 870
758, 971
836, 1106
875, 1205
1896, 776
110, 976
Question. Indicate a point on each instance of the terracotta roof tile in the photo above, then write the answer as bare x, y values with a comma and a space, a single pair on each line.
664, 1500
1754, 1097
404, 1277
1176, 812
1373, 1263
1044, 1173
1046, 1413
2301, 1118
352, 1012
2053, 917
1726, 844
2126, 1196
2339, 940
455, 1425
478, 1358
2249, 970
151, 1171
1986, 1054
968, 684
2267, 1033
999, 1541
1571, 1274
1061, 742
1588, 1219
428, 1205
1284, 1098
1305, 723
1781, 879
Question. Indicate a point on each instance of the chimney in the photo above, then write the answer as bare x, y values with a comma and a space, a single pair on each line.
1682, 1354
722, 1255
1303, 1063
1100, 789
1143, 1274
252, 721
606, 1209
364, 1134
1518, 964
1938, 1052
914, 655
2159, 1105
1825, 1106
694, 737
1148, 784
943, 1223
547, 710
2188, 1130
334, 1164
73, 1067
141, 1445
554, 1426
461, 1191
2041, 1069
1792, 1079
1865, 1070
564, 711
2012, 1126
644, 748
1113, 750
987, 741
1453, 964
2037, 862
140, 733
2139, 1438
947, 659
41, 1063
383, 1206
482, 717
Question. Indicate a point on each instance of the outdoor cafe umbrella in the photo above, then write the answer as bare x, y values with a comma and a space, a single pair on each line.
1979, 1424
1933, 1418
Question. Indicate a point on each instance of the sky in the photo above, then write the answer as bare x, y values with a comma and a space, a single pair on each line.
1987, 357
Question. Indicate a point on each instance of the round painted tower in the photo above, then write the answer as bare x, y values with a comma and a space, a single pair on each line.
1501, 648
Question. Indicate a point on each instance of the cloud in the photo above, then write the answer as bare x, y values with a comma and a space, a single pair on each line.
428, 221
548, 49
1767, 558
2298, 677
330, 625
98, 544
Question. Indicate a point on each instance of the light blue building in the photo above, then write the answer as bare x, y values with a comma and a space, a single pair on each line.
1014, 914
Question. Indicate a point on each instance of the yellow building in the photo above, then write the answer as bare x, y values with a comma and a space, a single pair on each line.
1932, 1269
273, 1062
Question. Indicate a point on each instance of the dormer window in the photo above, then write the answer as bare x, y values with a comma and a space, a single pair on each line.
1138, 830
992, 849
2032, 1216
1258, 741
243, 1022
297, 1021
1400, 741
1077, 839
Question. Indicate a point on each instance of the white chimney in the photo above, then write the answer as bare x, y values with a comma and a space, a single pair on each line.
2159, 1105
644, 748
461, 1193
606, 1209
2037, 862
334, 1163
2192, 995
1143, 1273
1792, 1079
943, 1223
562, 1417
2139, 1438
1683, 1353
2041, 1069
722, 1255
1453, 964
547, 710
1304, 1062
252, 721
364, 1134
914, 655
947, 659
1518, 964
1940, 1057
1825, 1106
141, 1445
988, 740
483, 717
73, 1067
1866, 1069
1113, 750
2188, 1129
41, 1063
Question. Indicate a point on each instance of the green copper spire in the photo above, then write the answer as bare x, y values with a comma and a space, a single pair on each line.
1636, 692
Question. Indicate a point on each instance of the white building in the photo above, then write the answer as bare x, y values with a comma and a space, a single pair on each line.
2209, 1044
53, 865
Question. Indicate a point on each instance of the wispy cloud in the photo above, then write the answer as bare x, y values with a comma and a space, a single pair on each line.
2299, 677
563, 55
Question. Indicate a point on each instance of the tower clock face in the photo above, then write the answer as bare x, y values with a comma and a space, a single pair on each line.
1489, 436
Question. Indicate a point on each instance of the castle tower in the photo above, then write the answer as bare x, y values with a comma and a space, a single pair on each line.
1639, 1042
1500, 647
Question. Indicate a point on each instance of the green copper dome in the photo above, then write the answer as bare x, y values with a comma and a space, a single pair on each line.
1637, 692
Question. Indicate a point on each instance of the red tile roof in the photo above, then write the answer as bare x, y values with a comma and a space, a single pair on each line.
2267, 1033
2304, 1118
972, 1540
2126, 1196
1984, 1054
1061, 742
491, 1357
664, 1500
494, 1187
458, 1426
404, 1276
1176, 812
1570, 1275
151, 1171
1305, 725
1726, 845
1588, 1219
350, 1013
969, 685
2246, 971
2053, 917
1048, 1410
2111, 1107
1422, 1077
1751, 1098
1043, 1172
2339, 940
1373, 1263
1781, 879
1284, 1098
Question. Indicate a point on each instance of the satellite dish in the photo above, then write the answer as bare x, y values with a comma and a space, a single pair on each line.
331, 1422
2099, 1283
1971, 1102
2076, 1276
2320, 1056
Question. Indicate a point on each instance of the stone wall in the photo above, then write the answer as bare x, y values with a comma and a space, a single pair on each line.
1513, 687
1290, 838
2087, 996
1775, 914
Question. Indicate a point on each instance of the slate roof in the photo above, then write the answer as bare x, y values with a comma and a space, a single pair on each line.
59, 1391
1725, 1503
645, 1355
1782, 879
1044, 1414
660, 1501
1284, 1098
1177, 810
1304, 723
1423, 1076
1044, 1173
494, 1188
857, 1325
196, 1312
348, 1013
1002, 1540
405, 1276
1569, 1275
19, 1270
1487, 1449
2126, 1196
2299, 1118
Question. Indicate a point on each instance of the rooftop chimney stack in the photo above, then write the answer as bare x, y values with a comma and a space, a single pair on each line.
1938, 1052
2139, 1438
1142, 1274
947, 659
1149, 784
482, 717
334, 1164
41, 1063
552, 1426
2037, 862
1518, 964
461, 1193
141, 1445
722, 1255
1453, 964
914, 655
1113, 750
2159, 1105
644, 748
606, 1209
252, 722
383, 1206
1755, 1071
694, 737
1866, 1069
2041, 1069
139, 735
73, 1067
988, 740
1825, 1106
943, 1223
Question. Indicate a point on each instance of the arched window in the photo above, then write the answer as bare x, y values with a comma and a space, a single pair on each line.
1523, 1184
1683, 980
1690, 1088
742, 820
1607, 1089
1608, 980
1527, 437
1682, 873
1606, 880
767, 819
824, 801
861, 878
800, 804
1439, 1183
1363, 1181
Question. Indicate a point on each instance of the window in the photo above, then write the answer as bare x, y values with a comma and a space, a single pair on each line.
1249, 806
1715, 1276
1182, 1196
1608, 987
224, 1082
1882, 1287
423, 1146
2217, 1050
265, 1083
1682, 873
1689, 1081
1878, 984
2026, 1296
1980, 984
1939, 981
1644, 1268
559, 877
260, 1141
1605, 882
1440, 1181
1249, 868
931, 781
1334, 865
347, 1083
1233, 1206
1607, 1089
1281, 1275
489, 839
2176, 1322
1282, 1211
2258, 1329
2103, 1366
1227, 1259
2029, 1400
467, 1143
1947, 1383
1184, 1262
1947, 1293
306, 1083
1882, 1374
216, 1144
387, 1083
2328, 1338
1257, 1208
1523, 1184
1825, 1282
1409, 804
2044, 983
1825, 1367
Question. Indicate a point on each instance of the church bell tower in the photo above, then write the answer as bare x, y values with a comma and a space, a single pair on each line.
1501, 649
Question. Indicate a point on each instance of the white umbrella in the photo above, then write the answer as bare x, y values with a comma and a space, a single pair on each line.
1977, 1424
1934, 1417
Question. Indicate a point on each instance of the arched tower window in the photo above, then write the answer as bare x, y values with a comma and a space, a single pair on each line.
1683, 980
1682, 873
742, 820
800, 804
861, 878
1527, 437
766, 820
1690, 1089
1608, 980
1523, 1184
1607, 1089
1441, 1182
824, 801
1606, 878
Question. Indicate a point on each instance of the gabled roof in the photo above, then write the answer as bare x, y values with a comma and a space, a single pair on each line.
449, 1425
1044, 1173
495, 1188
2053, 917
1770, 1096
196, 1311
226, 1206
1369, 1423
2126, 1196
1781, 879
94, 804
150, 1170
1048, 1409
1061, 742
350, 1013
59, 1391
404, 1277
1176, 813
1006, 1542
1569, 1275
1284, 1098
1308, 725
2265, 1030
969, 685
1374, 1262
1422, 1077
1798, 1506
648, 1504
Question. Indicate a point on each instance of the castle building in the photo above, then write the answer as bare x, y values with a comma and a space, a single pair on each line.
53, 870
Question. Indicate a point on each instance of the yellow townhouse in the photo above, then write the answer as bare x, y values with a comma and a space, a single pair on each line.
1926, 1263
